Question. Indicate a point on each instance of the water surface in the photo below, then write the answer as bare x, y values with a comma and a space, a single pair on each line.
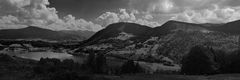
39, 55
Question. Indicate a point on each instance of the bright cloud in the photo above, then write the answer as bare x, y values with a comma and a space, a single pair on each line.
162, 6
36, 13
194, 11
124, 16
215, 15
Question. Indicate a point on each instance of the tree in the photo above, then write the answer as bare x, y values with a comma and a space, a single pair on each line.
233, 63
130, 67
96, 63
5, 58
91, 59
100, 63
200, 60
220, 58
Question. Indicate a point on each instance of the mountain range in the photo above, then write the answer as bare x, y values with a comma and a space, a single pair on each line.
142, 32
44, 34
172, 40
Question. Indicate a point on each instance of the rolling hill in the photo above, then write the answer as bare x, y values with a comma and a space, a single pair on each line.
44, 34
172, 40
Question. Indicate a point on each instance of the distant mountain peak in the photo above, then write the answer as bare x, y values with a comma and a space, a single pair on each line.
121, 26
33, 32
237, 21
31, 27
173, 21
34, 28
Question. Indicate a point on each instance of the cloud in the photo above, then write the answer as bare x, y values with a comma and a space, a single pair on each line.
194, 11
36, 13
29, 11
148, 17
125, 15
108, 18
162, 6
173, 6
22, 13
215, 15
69, 22
9, 21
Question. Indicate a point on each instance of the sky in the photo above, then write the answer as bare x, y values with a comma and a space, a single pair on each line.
94, 15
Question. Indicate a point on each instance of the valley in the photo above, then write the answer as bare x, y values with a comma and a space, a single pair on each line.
168, 49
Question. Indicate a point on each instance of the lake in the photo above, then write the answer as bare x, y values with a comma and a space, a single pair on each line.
39, 55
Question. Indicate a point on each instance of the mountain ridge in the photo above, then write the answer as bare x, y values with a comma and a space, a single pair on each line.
173, 39
171, 26
33, 32
145, 31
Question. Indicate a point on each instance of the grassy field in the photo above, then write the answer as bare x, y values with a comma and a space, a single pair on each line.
14, 68
176, 77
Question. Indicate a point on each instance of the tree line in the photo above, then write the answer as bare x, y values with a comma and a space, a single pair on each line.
206, 60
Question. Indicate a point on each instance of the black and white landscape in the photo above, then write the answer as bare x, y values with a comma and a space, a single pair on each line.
119, 40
